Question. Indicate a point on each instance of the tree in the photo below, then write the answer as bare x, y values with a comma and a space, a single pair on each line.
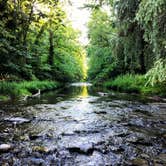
35, 42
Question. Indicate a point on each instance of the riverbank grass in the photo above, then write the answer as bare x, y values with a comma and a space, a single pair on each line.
134, 84
19, 89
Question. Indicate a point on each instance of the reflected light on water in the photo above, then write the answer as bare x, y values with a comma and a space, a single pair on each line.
84, 91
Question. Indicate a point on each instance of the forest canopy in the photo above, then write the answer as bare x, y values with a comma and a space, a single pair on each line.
127, 41
127, 38
38, 42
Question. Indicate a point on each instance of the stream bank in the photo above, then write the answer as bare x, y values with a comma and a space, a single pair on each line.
18, 90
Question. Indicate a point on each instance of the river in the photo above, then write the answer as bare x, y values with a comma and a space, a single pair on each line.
83, 126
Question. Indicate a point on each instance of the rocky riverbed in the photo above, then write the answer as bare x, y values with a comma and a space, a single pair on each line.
83, 127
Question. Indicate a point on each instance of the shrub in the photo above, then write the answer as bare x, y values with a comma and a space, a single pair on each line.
157, 75
127, 83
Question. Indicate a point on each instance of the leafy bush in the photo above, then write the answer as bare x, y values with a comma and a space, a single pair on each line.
127, 83
157, 74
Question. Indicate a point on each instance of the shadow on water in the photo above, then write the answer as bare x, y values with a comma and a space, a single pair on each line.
82, 125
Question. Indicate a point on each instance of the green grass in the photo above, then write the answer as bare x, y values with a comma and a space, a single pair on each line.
4, 98
18, 89
127, 83
134, 83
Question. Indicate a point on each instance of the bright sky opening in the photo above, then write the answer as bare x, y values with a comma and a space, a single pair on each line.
79, 18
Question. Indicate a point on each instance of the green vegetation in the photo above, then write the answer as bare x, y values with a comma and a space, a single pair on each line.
157, 75
15, 90
127, 83
127, 48
134, 83
37, 42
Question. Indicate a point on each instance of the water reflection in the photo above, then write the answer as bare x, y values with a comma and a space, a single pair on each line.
84, 92
83, 89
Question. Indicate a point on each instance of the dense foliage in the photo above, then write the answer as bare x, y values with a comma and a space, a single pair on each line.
157, 74
100, 32
38, 42
129, 38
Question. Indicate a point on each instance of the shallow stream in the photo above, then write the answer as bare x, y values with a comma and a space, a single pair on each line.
82, 126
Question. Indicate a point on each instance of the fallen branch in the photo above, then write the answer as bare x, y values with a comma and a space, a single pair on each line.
31, 96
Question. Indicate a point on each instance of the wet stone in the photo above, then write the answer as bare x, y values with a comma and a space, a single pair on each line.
17, 120
24, 137
144, 156
34, 137
67, 134
5, 147
160, 159
84, 149
96, 159
100, 112
86, 131
37, 161
137, 122
1, 111
139, 162
40, 149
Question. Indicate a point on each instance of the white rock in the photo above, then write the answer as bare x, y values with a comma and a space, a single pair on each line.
17, 120
5, 147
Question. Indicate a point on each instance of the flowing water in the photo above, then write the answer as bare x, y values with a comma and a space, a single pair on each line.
82, 126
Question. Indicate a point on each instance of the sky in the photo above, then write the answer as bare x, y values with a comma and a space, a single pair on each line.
79, 18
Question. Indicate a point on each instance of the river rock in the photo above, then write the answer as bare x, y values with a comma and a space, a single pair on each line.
1, 111
17, 120
59, 98
139, 162
44, 149
38, 161
102, 94
85, 148
34, 136
100, 112
160, 159
40, 149
5, 147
